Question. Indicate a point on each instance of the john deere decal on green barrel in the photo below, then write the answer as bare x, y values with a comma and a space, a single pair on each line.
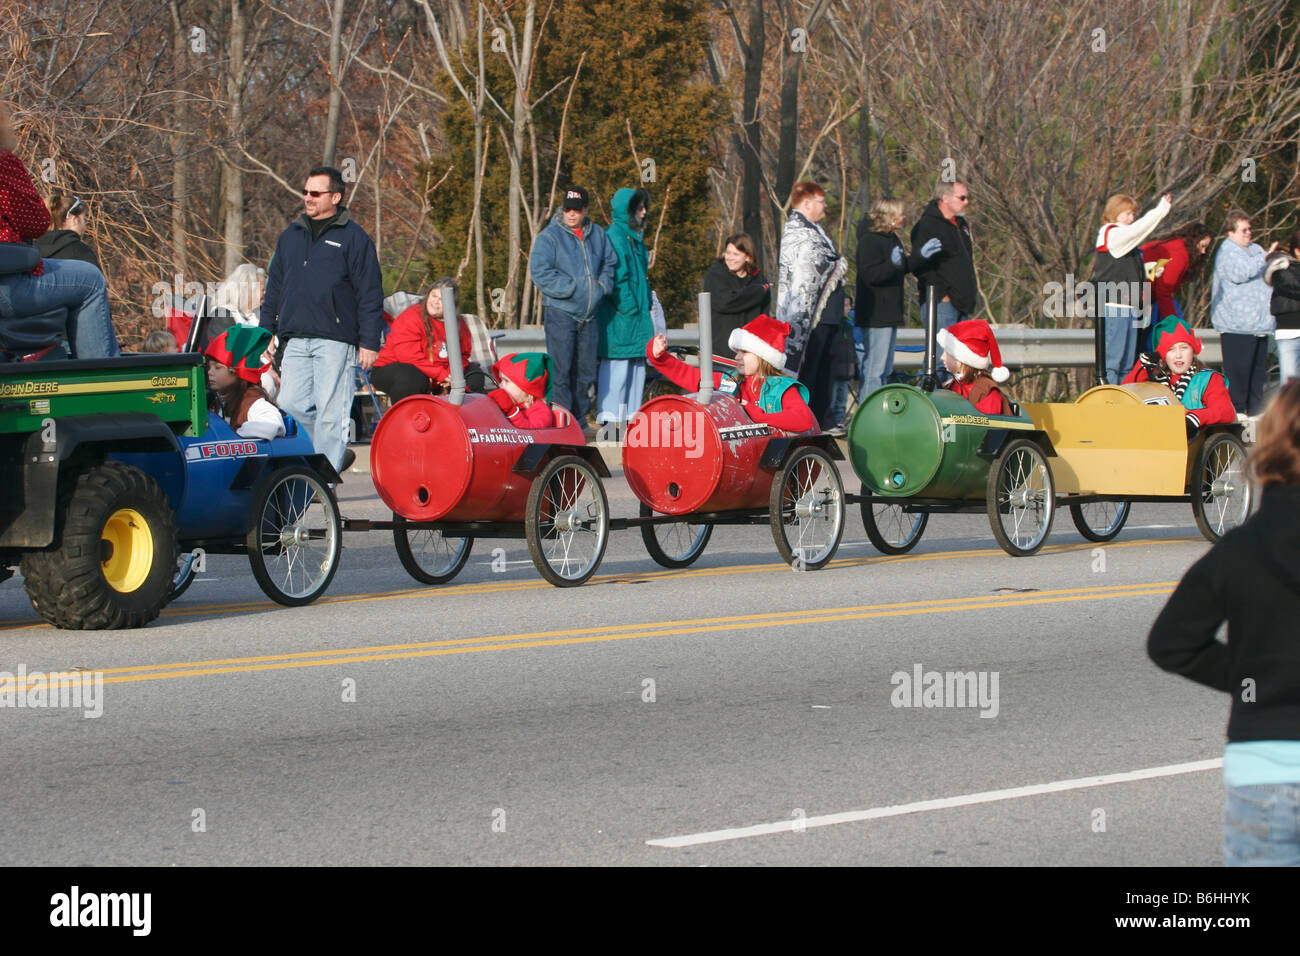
905, 443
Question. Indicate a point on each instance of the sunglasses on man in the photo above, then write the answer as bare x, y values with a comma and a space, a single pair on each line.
317, 193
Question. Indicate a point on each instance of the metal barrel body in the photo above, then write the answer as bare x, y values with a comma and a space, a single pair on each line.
434, 461
906, 443
681, 457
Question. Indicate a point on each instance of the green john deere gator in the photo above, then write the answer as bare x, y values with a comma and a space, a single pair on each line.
95, 538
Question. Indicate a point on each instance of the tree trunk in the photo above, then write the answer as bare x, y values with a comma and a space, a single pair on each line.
336, 87
180, 165
516, 162
232, 176
752, 154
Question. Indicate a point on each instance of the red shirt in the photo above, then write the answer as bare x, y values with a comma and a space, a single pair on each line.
990, 404
1218, 408
23, 214
1167, 283
406, 343
536, 414
794, 416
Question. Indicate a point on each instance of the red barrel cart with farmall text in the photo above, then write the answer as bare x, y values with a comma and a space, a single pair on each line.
695, 461
454, 469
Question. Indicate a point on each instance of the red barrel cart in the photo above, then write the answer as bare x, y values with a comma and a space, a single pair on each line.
695, 461
454, 469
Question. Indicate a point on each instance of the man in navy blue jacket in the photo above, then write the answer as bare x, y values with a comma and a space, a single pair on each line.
573, 263
324, 298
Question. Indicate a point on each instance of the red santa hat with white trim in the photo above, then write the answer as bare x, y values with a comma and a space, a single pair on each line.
972, 343
765, 337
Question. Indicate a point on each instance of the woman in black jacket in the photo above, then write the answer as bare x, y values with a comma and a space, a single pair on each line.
882, 264
740, 293
1282, 272
65, 239
1251, 579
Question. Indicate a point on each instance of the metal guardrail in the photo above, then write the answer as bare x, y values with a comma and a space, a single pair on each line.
1022, 346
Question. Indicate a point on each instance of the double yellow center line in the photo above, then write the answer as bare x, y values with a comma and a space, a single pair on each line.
691, 627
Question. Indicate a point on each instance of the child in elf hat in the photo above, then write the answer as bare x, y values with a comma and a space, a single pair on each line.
971, 354
234, 371
525, 386
1203, 392
767, 396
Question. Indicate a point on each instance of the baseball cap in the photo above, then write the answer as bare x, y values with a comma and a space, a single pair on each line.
575, 197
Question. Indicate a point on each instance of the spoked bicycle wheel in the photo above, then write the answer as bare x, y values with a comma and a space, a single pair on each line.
567, 522
1221, 492
295, 539
890, 528
427, 555
807, 509
1100, 520
674, 544
1020, 497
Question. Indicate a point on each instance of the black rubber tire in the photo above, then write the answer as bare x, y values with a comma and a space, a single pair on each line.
805, 468
1085, 528
67, 583
284, 498
1222, 457
184, 576
564, 483
690, 552
417, 565
871, 525
1018, 457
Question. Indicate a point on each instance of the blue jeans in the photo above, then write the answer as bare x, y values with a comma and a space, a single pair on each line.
573, 346
619, 388
317, 383
1288, 358
1121, 341
947, 314
839, 401
72, 284
1261, 825
877, 358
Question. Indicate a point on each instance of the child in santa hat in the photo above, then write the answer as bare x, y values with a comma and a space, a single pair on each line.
525, 387
234, 362
971, 354
1203, 391
767, 395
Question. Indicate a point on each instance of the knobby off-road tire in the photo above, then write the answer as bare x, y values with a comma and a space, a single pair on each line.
113, 559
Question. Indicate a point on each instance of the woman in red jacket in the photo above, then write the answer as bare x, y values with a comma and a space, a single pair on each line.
54, 283
1176, 259
767, 396
414, 359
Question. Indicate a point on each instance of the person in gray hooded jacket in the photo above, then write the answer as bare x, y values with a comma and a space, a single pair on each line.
573, 264
1239, 309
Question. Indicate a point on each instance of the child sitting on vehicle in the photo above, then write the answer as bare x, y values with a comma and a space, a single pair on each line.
240, 400
971, 354
767, 396
525, 387
1203, 392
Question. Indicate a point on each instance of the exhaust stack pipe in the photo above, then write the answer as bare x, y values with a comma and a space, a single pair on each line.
451, 320
706, 349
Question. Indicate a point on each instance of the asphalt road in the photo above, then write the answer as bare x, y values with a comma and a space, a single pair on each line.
650, 717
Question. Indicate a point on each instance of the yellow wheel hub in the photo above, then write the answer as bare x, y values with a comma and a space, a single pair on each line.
126, 550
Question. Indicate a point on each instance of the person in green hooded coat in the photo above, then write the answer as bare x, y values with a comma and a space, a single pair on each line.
624, 317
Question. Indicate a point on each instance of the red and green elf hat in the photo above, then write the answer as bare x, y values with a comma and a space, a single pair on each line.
240, 349
529, 370
1171, 330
